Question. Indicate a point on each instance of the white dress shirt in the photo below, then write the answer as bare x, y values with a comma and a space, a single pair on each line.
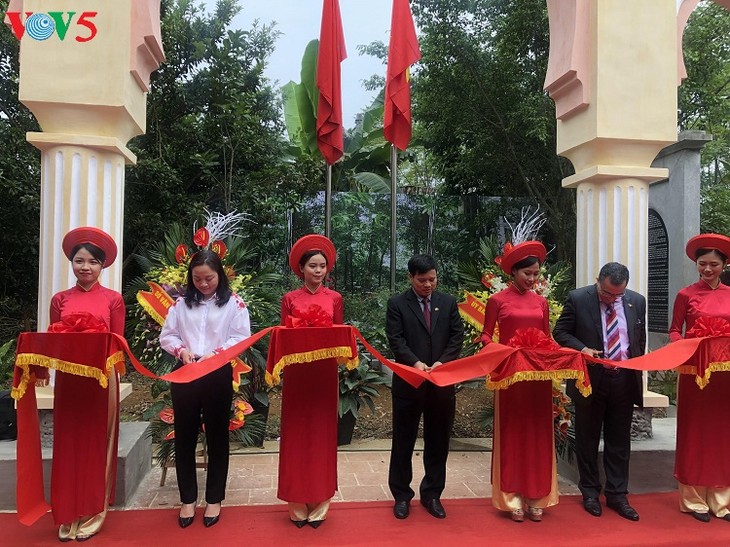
205, 328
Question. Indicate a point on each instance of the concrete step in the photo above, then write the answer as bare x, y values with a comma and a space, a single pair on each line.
134, 461
652, 460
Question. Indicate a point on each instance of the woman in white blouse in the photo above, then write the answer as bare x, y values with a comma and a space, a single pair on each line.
207, 319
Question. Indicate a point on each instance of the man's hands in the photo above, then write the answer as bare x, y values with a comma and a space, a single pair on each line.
592, 352
420, 365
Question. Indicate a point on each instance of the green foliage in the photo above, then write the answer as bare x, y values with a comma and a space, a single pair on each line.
704, 94
704, 104
358, 387
480, 109
214, 133
366, 312
7, 364
19, 196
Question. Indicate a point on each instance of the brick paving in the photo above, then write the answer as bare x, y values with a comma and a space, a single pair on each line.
362, 475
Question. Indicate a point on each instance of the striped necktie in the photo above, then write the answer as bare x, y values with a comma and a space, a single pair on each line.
613, 340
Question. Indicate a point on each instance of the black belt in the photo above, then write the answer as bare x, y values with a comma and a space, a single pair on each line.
612, 370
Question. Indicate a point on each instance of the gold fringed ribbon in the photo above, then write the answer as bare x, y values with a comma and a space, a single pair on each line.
703, 379
288, 346
343, 354
25, 360
539, 375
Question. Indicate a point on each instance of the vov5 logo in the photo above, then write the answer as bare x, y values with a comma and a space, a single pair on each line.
41, 26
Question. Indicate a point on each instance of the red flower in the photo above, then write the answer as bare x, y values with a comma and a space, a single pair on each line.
201, 237
181, 253
168, 416
219, 248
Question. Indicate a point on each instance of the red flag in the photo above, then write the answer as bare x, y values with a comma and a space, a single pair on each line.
402, 53
329, 108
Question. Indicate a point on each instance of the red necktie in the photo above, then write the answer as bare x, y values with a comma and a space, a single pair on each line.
613, 339
426, 313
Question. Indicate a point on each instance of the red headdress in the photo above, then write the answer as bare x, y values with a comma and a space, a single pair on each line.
311, 242
523, 243
95, 236
708, 241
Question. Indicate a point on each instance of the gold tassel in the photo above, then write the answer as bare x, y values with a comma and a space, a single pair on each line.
25, 360
310, 357
538, 375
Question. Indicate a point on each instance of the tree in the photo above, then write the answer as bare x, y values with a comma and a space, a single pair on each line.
480, 109
704, 104
19, 197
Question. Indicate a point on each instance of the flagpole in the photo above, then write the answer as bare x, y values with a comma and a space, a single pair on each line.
328, 203
393, 203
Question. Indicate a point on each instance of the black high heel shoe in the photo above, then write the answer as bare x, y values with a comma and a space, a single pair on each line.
211, 521
184, 522
300, 523
315, 523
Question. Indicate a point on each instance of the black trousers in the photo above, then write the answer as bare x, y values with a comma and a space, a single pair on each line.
609, 409
437, 405
210, 398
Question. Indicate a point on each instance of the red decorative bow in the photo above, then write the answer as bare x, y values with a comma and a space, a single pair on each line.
313, 316
532, 338
79, 322
709, 326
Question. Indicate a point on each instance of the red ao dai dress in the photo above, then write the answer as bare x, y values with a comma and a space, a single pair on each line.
308, 451
85, 424
702, 464
523, 456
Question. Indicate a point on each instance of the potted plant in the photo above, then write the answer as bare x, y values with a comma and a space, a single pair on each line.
357, 388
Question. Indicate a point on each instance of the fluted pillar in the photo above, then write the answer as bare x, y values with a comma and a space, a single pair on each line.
613, 218
87, 86
79, 186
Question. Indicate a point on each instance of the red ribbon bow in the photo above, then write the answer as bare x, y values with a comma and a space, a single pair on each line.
709, 326
79, 322
313, 316
532, 338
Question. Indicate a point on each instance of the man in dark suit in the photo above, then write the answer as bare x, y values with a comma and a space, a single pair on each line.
605, 320
424, 330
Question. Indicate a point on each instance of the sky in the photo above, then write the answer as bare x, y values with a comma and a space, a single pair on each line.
298, 21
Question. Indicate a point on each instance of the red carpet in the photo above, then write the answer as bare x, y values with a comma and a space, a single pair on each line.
469, 522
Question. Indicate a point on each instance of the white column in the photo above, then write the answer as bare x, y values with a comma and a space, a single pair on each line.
80, 186
612, 219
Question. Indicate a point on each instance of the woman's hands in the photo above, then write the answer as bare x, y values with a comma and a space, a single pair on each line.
187, 357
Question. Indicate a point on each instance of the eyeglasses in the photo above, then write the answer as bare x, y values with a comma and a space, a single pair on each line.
610, 294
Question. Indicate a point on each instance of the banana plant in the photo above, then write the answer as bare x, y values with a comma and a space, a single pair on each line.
365, 165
